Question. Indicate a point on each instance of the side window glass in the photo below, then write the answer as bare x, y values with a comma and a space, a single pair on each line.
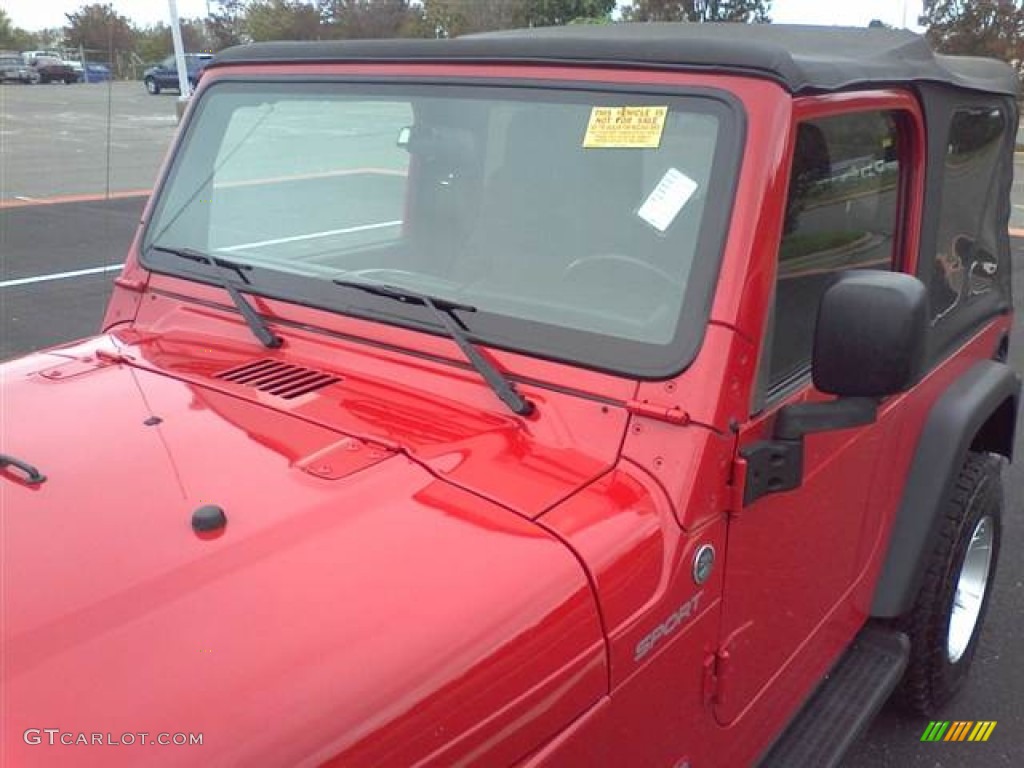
966, 261
840, 215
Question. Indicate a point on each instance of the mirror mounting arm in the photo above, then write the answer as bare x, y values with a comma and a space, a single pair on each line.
777, 465
799, 419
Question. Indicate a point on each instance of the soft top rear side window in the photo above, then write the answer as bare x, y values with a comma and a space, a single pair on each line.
584, 225
967, 263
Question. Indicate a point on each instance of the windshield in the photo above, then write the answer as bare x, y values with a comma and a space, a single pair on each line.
576, 222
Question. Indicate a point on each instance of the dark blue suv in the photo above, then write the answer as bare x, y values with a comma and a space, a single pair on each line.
165, 74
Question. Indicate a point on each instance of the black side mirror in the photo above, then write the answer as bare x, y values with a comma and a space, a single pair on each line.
871, 333
869, 342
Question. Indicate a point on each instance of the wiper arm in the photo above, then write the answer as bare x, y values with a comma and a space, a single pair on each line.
444, 309
256, 324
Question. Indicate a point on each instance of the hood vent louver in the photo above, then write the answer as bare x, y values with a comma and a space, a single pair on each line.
278, 379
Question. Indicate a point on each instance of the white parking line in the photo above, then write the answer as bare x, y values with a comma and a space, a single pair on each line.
59, 276
259, 244
312, 236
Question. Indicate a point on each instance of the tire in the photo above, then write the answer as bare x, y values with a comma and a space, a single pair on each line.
943, 640
152, 86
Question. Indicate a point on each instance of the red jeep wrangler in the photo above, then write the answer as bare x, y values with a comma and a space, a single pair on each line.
595, 396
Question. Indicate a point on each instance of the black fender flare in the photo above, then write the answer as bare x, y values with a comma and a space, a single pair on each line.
958, 422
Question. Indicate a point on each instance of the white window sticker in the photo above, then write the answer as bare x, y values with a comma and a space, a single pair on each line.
668, 198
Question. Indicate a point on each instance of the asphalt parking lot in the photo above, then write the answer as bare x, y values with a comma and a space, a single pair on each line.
57, 264
67, 216
55, 140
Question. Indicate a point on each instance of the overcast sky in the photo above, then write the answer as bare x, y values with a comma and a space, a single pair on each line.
40, 14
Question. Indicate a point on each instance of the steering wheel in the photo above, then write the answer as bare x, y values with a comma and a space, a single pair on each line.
597, 259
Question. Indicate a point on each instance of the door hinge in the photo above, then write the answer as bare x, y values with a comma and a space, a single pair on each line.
716, 669
710, 678
773, 466
672, 414
737, 485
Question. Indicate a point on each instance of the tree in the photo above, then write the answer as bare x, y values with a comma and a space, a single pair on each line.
196, 37
370, 18
546, 13
45, 39
698, 10
6, 30
153, 43
226, 25
977, 28
282, 20
98, 27
14, 38
451, 18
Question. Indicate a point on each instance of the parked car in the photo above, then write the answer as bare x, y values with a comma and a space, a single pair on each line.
12, 68
165, 74
28, 56
47, 69
97, 73
626, 395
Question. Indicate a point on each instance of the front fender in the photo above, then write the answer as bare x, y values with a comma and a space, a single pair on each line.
961, 420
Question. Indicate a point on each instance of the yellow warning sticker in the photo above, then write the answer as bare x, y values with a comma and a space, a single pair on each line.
625, 127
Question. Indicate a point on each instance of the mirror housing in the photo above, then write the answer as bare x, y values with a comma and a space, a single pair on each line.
871, 334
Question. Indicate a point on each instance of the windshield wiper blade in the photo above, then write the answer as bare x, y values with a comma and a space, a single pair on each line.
406, 296
256, 324
444, 309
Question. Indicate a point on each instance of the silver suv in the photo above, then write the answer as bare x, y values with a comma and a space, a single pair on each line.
12, 67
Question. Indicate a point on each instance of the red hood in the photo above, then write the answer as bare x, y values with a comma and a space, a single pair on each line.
354, 605
440, 415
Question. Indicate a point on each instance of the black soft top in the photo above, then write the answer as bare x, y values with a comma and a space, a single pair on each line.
803, 59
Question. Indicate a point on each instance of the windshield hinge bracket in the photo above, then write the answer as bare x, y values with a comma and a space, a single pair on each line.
671, 414
130, 283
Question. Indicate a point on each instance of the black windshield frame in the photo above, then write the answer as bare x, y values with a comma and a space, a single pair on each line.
595, 351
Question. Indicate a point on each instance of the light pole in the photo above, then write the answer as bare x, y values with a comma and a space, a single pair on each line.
184, 87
